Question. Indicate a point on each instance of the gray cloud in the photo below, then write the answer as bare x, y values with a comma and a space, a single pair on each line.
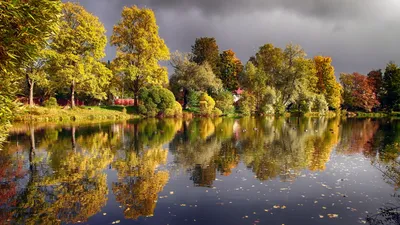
360, 35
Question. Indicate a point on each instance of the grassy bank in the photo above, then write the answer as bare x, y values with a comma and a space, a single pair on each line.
371, 115
58, 114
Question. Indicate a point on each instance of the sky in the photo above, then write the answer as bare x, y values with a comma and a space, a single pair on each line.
359, 35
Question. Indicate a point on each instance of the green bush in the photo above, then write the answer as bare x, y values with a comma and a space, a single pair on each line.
158, 100
50, 103
175, 111
224, 101
207, 104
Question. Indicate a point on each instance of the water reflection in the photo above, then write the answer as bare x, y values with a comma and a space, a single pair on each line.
60, 174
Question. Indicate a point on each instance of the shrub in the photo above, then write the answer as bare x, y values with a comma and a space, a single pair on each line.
207, 104
224, 101
158, 100
217, 112
176, 110
51, 102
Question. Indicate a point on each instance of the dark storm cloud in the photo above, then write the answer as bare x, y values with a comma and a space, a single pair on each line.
339, 9
359, 35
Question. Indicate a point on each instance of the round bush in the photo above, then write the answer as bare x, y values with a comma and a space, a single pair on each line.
51, 102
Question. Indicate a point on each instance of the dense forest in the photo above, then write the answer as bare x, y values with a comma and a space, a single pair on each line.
52, 51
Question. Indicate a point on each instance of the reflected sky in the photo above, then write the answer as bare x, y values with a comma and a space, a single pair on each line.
203, 171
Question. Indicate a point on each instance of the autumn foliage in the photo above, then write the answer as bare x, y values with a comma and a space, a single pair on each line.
359, 92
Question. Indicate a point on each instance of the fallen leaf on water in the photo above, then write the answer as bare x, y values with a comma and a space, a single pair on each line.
333, 216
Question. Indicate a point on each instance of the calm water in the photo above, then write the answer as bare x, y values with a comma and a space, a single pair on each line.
222, 171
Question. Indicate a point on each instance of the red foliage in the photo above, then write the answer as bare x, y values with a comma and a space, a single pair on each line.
364, 93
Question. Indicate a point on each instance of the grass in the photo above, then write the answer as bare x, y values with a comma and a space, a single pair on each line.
58, 114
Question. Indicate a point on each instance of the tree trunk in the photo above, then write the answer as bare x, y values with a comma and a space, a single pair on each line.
73, 142
73, 94
31, 84
33, 147
135, 97
136, 92
185, 98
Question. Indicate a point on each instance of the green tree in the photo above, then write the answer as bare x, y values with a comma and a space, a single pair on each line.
139, 49
189, 76
230, 68
391, 84
79, 47
255, 82
25, 27
36, 74
327, 84
297, 76
205, 50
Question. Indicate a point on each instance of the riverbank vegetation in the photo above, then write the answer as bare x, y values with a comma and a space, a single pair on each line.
55, 57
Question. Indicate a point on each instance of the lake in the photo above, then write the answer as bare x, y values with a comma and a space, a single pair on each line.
291, 171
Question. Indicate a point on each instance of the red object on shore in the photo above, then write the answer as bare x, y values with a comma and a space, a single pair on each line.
124, 102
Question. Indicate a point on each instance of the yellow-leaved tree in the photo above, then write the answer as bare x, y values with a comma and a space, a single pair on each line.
139, 49
327, 84
78, 49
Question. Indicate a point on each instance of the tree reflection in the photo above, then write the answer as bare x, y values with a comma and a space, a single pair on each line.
138, 182
65, 182
283, 147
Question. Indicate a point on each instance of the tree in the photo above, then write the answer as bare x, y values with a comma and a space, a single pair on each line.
270, 60
36, 74
327, 84
375, 78
25, 27
255, 82
289, 73
139, 49
230, 68
297, 76
224, 101
205, 50
78, 48
358, 92
391, 84
189, 76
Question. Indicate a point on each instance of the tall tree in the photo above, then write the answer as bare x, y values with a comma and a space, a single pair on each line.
140, 48
25, 27
391, 84
79, 47
297, 75
230, 68
36, 75
204, 50
189, 76
327, 84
